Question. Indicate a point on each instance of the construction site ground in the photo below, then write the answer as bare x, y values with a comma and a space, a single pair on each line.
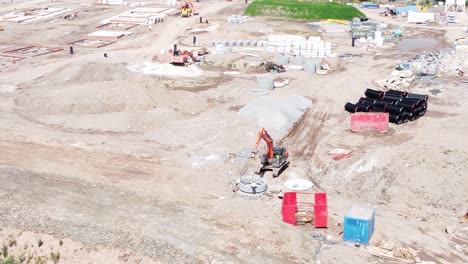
103, 163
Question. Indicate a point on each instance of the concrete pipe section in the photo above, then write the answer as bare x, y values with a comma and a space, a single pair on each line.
252, 184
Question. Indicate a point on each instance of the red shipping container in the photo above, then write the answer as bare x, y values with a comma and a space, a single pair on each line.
364, 122
320, 215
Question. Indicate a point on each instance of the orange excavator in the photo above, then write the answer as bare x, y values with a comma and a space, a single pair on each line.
275, 159
182, 58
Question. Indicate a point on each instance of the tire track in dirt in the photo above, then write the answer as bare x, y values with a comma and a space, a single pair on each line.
305, 135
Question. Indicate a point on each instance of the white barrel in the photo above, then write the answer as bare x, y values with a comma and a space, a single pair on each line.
298, 60
310, 66
265, 82
318, 65
282, 59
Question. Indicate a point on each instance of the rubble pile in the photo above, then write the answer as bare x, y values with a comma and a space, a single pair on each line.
237, 19
454, 64
429, 63
436, 62
398, 80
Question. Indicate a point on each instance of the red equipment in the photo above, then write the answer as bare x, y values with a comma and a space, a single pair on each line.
275, 159
363, 122
294, 212
182, 57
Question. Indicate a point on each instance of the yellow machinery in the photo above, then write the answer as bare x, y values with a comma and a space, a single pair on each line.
187, 9
1, 28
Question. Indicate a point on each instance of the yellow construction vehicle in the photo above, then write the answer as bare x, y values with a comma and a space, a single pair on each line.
1, 28
187, 9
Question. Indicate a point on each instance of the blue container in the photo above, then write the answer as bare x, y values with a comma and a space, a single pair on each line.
359, 225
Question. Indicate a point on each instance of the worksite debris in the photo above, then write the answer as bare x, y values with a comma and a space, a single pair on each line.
237, 19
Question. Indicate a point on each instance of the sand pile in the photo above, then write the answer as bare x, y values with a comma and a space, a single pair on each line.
166, 69
277, 115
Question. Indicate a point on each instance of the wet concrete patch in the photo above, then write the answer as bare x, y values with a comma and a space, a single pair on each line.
417, 43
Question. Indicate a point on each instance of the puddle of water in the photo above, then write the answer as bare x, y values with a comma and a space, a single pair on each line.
412, 44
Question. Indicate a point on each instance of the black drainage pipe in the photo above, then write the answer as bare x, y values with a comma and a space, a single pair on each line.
418, 96
364, 107
395, 119
377, 109
392, 109
407, 105
352, 108
388, 101
404, 117
381, 103
391, 96
412, 100
414, 115
396, 92
374, 94
369, 100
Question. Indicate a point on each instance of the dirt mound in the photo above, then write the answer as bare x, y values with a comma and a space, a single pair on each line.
91, 98
89, 72
117, 106
192, 132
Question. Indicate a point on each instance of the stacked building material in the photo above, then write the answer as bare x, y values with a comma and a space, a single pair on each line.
237, 19
401, 106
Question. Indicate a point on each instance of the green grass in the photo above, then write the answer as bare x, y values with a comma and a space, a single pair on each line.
302, 10
9, 260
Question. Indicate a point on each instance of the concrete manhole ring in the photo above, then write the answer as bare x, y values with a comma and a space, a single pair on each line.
252, 184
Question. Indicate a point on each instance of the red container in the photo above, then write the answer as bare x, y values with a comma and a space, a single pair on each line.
364, 122
289, 214
320, 215
289, 208
320, 198
290, 198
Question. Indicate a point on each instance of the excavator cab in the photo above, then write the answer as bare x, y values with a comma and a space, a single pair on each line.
276, 158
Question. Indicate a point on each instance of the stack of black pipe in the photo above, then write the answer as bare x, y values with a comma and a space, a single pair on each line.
401, 106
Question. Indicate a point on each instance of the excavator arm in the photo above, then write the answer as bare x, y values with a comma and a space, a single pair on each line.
263, 134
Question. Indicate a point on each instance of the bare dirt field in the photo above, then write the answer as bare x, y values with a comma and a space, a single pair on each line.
128, 159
